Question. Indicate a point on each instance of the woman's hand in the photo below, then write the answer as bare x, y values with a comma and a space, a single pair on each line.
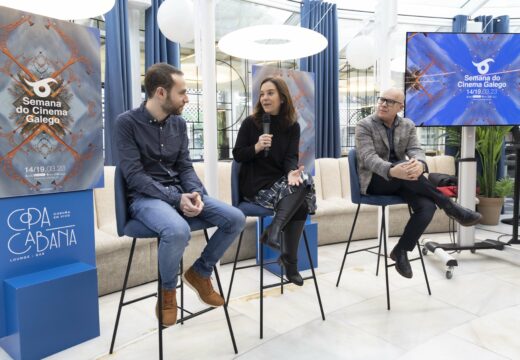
264, 141
294, 178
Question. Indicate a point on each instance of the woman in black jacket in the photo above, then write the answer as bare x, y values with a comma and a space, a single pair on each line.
270, 175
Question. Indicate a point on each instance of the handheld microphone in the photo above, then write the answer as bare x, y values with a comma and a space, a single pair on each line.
266, 121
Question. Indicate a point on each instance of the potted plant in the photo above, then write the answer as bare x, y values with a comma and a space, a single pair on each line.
489, 142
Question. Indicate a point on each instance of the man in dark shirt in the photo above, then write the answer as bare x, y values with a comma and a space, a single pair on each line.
391, 162
164, 191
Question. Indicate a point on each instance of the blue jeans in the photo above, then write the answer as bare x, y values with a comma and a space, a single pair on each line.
174, 231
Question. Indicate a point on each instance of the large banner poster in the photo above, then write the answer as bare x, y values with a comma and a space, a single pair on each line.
301, 87
50, 118
462, 79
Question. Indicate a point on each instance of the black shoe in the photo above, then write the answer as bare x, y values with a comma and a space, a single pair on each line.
402, 264
291, 270
462, 215
270, 238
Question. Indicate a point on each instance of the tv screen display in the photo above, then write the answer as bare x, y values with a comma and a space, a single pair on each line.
455, 79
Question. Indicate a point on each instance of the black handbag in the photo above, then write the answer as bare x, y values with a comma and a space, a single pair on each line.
440, 180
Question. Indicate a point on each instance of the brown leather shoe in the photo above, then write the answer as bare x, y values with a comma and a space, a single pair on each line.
169, 307
203, 288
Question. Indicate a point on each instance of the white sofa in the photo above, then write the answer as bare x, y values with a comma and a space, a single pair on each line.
334, 218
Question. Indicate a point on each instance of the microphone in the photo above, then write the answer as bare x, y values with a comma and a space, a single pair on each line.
266, 121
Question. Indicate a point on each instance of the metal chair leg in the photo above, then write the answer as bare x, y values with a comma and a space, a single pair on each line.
281, 266
424, 268
122, 298
228, 320
261, 290
348, 245
313, 273
181, 270
386, 259
234, 267
159, 299
380, 243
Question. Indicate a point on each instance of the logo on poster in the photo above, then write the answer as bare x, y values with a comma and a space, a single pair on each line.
42, 87
483, 66
34, 233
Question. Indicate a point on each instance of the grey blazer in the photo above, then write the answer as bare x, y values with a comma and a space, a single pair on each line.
373, 150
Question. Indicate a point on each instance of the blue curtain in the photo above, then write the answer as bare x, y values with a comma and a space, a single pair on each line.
459, 23
157, 47
322, 17
501, 24
118, 82
487, 23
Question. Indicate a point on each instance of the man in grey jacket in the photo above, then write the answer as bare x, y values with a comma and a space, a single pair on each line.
391, 162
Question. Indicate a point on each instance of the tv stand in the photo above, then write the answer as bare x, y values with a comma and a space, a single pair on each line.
467, 189
516, 197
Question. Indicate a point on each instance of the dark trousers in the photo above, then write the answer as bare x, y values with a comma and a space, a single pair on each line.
421, 195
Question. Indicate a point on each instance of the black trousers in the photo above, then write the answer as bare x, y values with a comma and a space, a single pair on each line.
421, 195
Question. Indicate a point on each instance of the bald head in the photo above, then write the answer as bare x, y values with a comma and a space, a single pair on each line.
389, 104
394, 94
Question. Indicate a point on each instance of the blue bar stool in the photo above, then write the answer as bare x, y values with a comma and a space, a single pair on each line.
250, 209
379, 200
136, 229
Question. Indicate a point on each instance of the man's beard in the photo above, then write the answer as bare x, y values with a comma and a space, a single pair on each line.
170, 109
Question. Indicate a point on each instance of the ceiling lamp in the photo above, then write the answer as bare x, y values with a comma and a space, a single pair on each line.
63, 10
272, 42
361, 52
175, 19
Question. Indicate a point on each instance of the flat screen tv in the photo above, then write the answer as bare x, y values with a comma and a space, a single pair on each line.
462, 79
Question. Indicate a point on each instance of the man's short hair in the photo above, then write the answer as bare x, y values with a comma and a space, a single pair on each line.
159, 75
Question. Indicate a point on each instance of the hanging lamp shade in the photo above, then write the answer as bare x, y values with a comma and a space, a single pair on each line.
360, 52
272, 42
63, 10
175, 20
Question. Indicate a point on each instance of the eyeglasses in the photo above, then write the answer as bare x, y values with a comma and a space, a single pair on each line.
389, 102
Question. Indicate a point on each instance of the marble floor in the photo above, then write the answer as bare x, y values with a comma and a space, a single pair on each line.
475, 315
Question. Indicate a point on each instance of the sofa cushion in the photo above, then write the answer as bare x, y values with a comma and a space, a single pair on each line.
344, 172
104, 201
330, 178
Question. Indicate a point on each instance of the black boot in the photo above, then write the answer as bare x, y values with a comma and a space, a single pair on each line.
462, 215
402, 264
289, 258
285, 210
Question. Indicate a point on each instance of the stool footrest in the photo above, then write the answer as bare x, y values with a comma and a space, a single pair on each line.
139, 299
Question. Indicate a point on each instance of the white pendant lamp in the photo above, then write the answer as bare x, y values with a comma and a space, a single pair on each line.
272, 42
63, 10
175, 20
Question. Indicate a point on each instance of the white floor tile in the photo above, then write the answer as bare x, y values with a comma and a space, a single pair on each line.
472, 316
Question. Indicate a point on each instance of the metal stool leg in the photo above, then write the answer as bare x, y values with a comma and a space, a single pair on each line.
424, 268
159, 299
383, 232
217, 277
313, 274
234, 267
348, 245
379, 251
261, 290
122, 298
281, 266
181, 268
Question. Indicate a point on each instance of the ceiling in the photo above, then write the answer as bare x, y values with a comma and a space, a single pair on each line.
356, 17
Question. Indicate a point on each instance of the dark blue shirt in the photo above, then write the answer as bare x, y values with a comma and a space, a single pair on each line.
390, 134
154, 156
